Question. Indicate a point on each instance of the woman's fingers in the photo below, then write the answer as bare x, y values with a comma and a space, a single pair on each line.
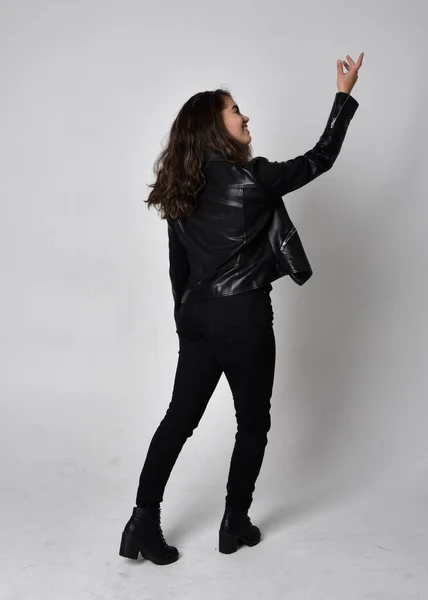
346, 81
351, 65
359, 62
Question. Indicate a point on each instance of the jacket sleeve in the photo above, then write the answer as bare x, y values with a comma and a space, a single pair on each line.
179, 268
284, 177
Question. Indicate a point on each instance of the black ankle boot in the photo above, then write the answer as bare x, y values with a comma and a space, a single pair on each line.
236, 528
143, 534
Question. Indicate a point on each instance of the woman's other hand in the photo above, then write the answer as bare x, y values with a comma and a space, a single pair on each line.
346, 81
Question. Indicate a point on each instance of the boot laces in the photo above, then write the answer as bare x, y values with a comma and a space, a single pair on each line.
248, 520
160, 530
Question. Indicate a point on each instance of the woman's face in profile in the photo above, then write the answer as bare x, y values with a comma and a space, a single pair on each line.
235, 122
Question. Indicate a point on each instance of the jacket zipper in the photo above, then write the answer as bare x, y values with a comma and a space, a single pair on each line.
290, 233
333, 121
182, 228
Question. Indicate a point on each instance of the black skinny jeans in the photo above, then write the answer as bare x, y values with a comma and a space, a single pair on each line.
232, 334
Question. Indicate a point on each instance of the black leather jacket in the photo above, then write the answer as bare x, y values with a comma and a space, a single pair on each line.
241, 236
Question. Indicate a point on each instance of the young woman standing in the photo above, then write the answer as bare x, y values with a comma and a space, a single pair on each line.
229, 237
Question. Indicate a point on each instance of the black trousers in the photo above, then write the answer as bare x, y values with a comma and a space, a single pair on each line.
231, 335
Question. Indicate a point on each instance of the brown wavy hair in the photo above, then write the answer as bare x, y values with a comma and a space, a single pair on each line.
199, 126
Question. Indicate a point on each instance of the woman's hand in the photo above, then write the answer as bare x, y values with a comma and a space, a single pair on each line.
346, 81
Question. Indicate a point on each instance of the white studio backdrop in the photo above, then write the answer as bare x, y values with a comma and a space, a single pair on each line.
88, 341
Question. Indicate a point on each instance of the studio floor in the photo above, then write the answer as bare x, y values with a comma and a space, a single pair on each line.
372, 544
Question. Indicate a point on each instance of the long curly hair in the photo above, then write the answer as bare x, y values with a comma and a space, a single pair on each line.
199, 126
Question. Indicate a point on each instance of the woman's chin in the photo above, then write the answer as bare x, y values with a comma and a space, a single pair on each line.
244, 138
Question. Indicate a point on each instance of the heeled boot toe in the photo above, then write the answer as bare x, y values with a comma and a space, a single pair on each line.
143, 534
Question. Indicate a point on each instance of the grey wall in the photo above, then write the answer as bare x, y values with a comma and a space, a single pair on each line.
88, 341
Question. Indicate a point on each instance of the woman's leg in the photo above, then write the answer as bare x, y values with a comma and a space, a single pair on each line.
196, 378
247, 357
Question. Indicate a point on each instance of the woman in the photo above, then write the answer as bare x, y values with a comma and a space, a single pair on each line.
229, 237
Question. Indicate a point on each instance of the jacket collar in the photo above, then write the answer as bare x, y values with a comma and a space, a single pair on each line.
211, 154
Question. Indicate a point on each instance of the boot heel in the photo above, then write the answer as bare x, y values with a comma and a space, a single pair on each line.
228, 543
129, 546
